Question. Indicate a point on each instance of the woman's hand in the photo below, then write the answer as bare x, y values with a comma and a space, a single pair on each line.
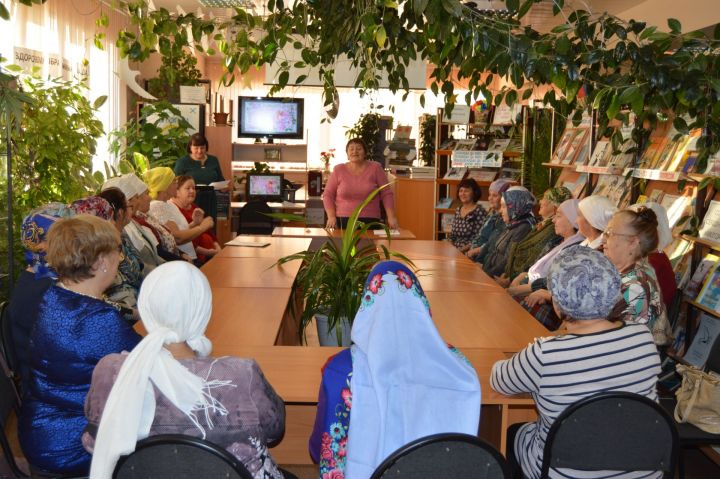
207, 223
197, 217
519, 279
502, 280
393, 223
473, 251
541, 296
464, 248
331, 223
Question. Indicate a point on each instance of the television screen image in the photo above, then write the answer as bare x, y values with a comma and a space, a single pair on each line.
266, 187
270, 117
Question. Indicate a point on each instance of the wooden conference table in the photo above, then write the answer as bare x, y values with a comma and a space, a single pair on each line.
250, 319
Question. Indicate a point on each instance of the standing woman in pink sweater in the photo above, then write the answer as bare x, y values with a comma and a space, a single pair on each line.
352, 182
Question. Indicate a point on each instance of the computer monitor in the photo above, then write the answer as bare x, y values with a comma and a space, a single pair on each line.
265, 186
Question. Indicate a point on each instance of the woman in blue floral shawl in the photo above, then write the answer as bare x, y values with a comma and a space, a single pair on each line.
516, 210
397, 357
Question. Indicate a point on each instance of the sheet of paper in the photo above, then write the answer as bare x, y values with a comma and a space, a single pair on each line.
248, 242
383, 233
220, 185
193, 94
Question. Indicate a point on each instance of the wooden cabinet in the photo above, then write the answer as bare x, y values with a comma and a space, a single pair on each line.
414, 202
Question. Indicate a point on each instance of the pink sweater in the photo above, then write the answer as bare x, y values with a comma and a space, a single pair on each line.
346, 191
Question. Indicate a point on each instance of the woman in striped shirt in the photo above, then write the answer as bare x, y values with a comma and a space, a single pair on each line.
595, 355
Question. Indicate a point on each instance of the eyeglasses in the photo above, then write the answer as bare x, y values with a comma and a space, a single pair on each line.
609, 232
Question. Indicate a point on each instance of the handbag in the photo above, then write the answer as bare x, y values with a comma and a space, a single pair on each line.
698, 399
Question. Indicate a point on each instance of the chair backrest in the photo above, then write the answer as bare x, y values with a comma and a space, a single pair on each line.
444, 455
713, 360
616, 431
9, 400
6, 342
179, 457
254, 219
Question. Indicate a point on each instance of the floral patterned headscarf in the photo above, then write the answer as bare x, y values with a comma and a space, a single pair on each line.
33, 233
519, 202
558, 194
93, 205
406, 383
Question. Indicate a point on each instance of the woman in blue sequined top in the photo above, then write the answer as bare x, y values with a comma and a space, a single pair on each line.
74, 330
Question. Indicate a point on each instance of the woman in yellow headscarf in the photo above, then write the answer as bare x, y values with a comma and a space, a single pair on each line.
158, 180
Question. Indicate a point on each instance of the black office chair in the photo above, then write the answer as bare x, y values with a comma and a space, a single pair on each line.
615, 431
690, 436
179, 457
6, 342
444, 455
9, 401
254, 219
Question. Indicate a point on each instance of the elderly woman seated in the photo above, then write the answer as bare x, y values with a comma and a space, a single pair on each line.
540, 240
628, 239
390, 389
594, 213
469, 216
33, 281
516, 209
493, 225
534, 280
169, 384
658, 259
75, 328
592, 356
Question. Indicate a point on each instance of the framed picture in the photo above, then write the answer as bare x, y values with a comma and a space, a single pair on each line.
272, 154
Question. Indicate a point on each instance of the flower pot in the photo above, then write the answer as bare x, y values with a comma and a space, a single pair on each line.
328, 337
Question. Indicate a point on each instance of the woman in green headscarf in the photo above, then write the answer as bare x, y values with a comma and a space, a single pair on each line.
542, 239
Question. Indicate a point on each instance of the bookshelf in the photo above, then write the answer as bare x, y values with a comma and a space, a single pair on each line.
480, 162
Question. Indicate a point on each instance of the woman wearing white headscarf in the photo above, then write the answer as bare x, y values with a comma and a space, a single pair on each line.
400, 381
534, 281
169, 385
658, 259
594, 215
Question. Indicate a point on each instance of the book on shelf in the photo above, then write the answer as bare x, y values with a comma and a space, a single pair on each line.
699, 351
577, 152
652, 152
482, 175
444, 203
499, 144
687, 165
578, 189
710, 227
455, 173
713, 165
656, 195
676, 207
622, 158
503, 115
709, 295
697, 280
562, 145
460, 115
448, 144
465, 145
601, 153
511, 173
446, 222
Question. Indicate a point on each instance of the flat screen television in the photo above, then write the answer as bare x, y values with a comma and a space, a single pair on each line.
270, 118
265, 187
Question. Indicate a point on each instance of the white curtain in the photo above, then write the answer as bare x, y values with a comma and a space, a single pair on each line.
66, 29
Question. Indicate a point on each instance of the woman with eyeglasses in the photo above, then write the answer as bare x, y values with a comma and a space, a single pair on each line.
627, 241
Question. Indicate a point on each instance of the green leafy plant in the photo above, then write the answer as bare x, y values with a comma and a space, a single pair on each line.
55, 143
427, 140
177, 68
160, 134
367, 128
331, 278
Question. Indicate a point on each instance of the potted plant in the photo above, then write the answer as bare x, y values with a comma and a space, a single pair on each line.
331, 278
